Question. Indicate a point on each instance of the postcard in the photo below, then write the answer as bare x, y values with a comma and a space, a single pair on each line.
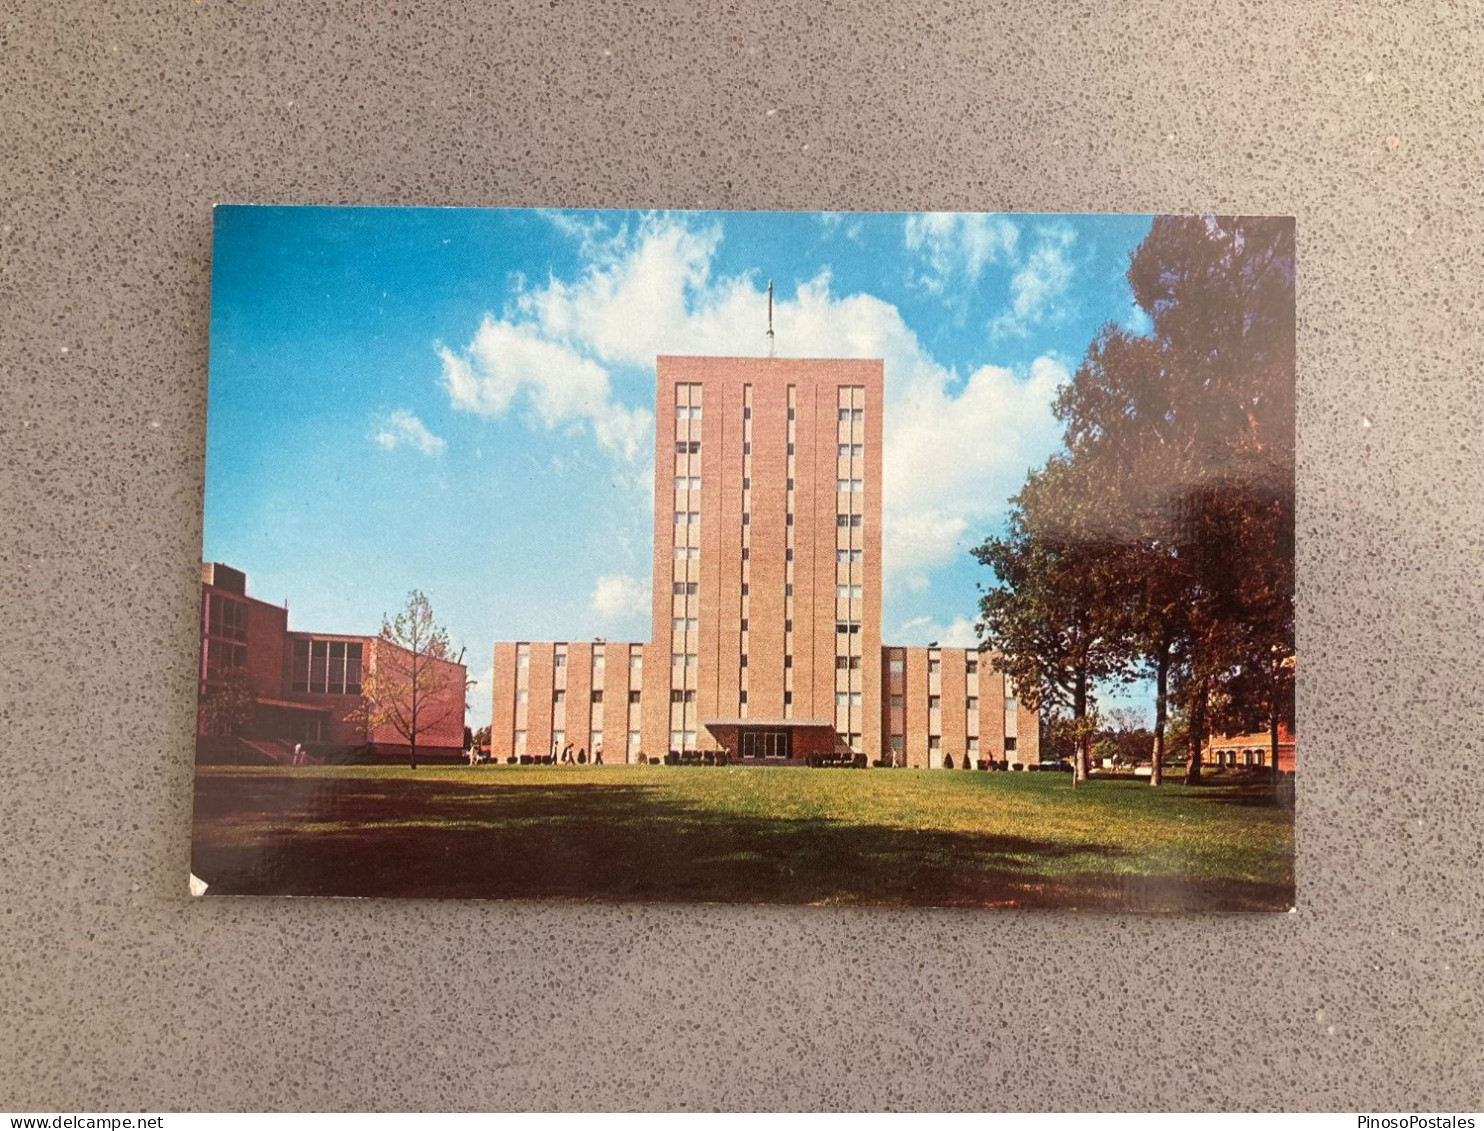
830, 558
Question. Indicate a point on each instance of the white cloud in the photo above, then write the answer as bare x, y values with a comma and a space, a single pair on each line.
954, 244
921, 631
403, 428
507, 358
481, 698
1039, 286
618, 595
955, 449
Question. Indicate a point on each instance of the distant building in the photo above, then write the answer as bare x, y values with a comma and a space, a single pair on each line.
766, 617
304, 683
1249, 750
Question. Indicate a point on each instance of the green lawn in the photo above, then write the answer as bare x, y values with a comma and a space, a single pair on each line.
774, 835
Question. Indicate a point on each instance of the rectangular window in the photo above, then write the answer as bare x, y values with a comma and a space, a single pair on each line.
746, 519
935, 702
848, 627
971, 703
971, 667
842, 663
1009, 746
933, 667
790, 449
856, 415
301, 665
896, 702
353, 669
636, 662
973, 745
746, 483
319, 657
844, 416
788, 698
747, 447
687, 553
744, 624
522, 696
747, 412
337, 667
896, 665
742, 698
597, 696
934, 741
558, 696
677, 696
788, 661
559, 660
788, 590
788, 485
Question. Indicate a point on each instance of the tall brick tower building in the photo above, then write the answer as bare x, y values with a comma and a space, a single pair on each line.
767, 567
766, 633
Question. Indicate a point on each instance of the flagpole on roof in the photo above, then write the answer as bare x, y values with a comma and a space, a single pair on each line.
770, 317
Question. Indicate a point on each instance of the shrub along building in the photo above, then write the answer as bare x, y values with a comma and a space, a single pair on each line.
766, 633
301, 687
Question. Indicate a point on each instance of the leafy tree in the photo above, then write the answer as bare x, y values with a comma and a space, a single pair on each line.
1054, 616
413, 685
1188, 433
229, 705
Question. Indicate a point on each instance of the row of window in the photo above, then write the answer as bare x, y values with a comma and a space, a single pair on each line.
221, 657
935, 703
848, 520
971, 667
559, 660
851, 415
226, 617
523, 696
687, 483
687, 447
687, 412
326, 667
848, 592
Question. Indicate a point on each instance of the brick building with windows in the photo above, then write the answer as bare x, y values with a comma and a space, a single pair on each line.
304, 684
766, 620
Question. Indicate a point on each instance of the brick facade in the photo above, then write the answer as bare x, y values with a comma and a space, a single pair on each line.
307, 683
766, 585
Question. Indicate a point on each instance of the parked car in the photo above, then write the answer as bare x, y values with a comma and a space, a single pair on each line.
1055, 765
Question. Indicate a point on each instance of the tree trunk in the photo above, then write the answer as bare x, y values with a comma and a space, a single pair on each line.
1197, 734
1273, 735
412, 744
1079, 712
1161, 708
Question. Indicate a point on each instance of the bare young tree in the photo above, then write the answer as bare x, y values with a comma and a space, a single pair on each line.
413, 685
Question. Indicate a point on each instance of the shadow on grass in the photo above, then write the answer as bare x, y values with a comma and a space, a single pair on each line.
282, 834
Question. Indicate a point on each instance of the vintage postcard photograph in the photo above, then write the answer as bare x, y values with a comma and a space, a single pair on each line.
819, 558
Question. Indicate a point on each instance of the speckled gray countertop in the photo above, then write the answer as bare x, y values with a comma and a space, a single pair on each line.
123, 123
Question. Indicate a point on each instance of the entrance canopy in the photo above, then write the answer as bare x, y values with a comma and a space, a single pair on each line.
792, 739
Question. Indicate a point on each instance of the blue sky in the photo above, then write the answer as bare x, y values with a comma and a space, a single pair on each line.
400, 398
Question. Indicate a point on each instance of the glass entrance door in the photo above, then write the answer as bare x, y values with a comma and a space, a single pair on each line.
766, 744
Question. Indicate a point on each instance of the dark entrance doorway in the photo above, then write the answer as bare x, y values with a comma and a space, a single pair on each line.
766, 744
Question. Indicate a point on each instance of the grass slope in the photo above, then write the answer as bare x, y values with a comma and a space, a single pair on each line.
771, 835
